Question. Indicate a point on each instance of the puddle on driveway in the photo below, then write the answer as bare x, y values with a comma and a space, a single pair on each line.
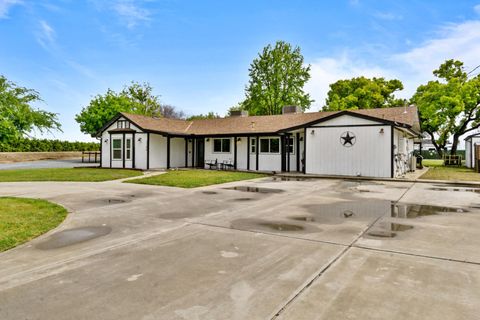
269, 226
456, 188
365, 210
108, 201
209, 192
243, 199
255, 189
73, 236
388, 230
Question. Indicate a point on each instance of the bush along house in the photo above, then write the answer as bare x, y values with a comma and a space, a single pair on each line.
371, 143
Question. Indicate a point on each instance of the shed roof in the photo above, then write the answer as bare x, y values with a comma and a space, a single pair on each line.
399, 116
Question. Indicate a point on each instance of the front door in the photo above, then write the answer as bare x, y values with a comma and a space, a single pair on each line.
200, 153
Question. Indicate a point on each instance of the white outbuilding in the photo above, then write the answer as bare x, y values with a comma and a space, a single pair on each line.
470, 142
371, 143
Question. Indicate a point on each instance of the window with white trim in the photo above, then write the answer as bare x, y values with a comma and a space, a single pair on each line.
290, 145
270, 145
253, 146
128, 149
123, 124
221, 145
117, 149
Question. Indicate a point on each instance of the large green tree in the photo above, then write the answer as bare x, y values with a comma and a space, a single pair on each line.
449, 107
209, 115
363, 93
18, 116
136, 98
277, 78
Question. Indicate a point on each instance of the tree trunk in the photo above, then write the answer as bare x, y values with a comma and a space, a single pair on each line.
454, 144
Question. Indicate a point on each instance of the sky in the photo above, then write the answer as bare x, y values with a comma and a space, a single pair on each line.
196, 54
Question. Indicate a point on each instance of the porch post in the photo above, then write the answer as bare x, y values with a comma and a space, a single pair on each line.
123, 151
168, 152
297, 146
304, 169
288, 151
148, 150
248, 153
282, 153
193, 152
235, 153
256, 151
110, 148
186, 152
133, 150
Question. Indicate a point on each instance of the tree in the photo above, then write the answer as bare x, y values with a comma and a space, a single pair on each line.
18, 118
136, 98
277, 78
210, 115
450, 106
363, 93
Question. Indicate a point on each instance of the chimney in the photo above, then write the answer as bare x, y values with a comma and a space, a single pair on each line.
239, 113
291, 109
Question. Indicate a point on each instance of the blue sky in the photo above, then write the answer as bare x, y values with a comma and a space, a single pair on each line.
196, 54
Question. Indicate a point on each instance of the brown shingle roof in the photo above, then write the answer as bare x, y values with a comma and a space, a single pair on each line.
265, 124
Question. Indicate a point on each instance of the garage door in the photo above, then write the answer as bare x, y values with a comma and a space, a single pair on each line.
349, 150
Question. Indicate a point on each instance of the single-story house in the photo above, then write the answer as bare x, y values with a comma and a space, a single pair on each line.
373, 143
470, 142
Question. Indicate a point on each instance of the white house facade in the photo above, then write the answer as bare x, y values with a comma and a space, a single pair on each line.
371, 143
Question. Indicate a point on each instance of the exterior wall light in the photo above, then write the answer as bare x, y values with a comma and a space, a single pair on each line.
106, 140
382, 131
208, 139
139, 139
239, 139
312, 132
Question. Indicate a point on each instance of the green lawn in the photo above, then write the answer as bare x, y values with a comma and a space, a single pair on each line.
196, 178
66, 174
439, 172
24, 219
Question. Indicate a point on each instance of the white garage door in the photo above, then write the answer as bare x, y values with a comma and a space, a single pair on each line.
349, 150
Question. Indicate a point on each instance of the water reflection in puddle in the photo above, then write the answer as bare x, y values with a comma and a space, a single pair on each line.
73, 236
455, 189
268, 226
255, 189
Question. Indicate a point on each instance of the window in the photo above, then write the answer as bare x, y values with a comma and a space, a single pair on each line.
221, 145
128, 149
290, 148
253, 146
117, 149
270, 145
123, 124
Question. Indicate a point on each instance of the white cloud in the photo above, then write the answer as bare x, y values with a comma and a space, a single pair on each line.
389, 16
46, 35
6, 5
131, 12
414, 67
327, 70
477, 8
455, 41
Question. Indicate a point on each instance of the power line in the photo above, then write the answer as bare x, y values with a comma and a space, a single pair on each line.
473, 70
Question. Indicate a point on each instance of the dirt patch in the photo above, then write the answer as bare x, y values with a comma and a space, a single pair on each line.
9, 157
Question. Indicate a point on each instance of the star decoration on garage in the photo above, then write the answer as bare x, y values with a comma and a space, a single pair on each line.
347, 139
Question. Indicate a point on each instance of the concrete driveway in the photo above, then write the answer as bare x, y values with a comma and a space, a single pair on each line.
260, 249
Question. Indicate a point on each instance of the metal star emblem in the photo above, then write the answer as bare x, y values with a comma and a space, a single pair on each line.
347, 139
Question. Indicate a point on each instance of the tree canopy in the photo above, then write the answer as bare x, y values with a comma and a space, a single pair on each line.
136, 98
363, 93
18, 117
449, 106
277, 77
209, 115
